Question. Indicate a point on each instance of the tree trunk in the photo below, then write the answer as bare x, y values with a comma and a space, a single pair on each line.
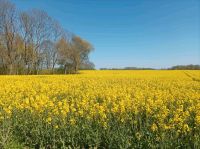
65, 67
10, 69
52, 70
76, 68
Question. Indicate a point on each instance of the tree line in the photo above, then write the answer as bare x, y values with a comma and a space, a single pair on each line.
32, 42
127, 68
177, 67
185, 67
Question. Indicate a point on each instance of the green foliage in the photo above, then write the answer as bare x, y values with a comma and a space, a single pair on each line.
186, 67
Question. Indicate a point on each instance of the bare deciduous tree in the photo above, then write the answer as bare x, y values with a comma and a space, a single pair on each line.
8, 30
32, 41
36, 28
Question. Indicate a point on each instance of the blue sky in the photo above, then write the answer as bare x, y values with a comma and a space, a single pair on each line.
143, 33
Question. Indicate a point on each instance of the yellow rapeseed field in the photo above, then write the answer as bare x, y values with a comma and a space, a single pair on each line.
108, 109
